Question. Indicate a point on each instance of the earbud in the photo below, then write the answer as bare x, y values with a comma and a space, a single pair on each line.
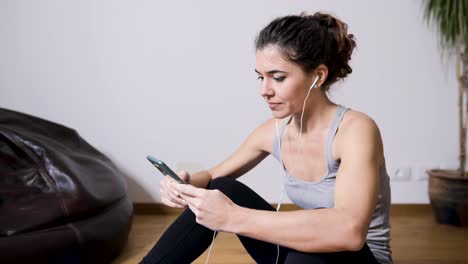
314, 84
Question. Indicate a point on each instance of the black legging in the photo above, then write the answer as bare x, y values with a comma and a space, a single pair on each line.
185, 240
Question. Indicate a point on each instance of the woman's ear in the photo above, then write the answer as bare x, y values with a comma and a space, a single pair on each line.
322, 72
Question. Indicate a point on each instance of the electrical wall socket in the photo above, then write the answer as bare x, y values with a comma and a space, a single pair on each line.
189, 166
420, 173
400, 174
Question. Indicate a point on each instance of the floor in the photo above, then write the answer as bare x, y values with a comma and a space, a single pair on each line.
416, 239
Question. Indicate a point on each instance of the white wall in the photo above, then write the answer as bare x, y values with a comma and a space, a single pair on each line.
176, 79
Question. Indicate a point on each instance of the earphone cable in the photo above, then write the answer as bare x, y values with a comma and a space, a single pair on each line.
299, 156
211, 246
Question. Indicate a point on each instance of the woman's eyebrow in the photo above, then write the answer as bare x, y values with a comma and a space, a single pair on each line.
271, 72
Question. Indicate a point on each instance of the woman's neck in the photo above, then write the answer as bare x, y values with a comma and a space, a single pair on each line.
319, 111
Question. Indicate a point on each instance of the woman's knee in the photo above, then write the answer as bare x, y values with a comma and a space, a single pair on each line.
232, 188
220, 181
224, 184
239, 193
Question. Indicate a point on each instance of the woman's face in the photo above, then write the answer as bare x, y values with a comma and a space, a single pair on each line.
284, 85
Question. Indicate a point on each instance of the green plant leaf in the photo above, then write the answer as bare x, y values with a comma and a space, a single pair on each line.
451, 19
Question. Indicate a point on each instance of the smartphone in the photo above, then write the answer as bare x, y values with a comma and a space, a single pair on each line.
164, 169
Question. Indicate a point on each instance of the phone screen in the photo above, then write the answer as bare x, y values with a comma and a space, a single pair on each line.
163, 168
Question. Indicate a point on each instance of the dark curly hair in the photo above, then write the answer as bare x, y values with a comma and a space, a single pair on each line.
311, 40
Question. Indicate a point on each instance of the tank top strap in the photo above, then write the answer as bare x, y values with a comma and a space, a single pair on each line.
333, 129
278, 137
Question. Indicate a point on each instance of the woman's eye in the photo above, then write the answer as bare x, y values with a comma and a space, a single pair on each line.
279, 79
260, 78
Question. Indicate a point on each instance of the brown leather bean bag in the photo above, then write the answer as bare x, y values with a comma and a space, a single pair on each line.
61, 200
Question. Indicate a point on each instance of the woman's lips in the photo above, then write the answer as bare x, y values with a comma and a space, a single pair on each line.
273, 105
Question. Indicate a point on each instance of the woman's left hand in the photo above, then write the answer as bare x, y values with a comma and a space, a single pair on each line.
212, 208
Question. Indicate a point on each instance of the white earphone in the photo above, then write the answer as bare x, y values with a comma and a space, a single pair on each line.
314, 84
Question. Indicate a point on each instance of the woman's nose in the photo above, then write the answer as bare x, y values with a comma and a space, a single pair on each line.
266, 89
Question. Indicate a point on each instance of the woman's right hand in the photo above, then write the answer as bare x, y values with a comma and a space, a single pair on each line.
169, 195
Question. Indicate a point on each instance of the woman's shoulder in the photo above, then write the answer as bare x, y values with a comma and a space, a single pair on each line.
355, 121
263, 136
266, 127
358, 129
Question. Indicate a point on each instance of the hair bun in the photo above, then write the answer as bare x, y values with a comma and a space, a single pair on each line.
326, 20
345, 43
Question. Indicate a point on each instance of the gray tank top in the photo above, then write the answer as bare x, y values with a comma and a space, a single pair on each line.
320, 194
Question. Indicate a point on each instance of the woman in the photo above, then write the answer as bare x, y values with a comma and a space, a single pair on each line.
332, 158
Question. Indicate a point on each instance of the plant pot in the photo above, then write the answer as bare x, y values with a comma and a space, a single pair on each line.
448, 193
